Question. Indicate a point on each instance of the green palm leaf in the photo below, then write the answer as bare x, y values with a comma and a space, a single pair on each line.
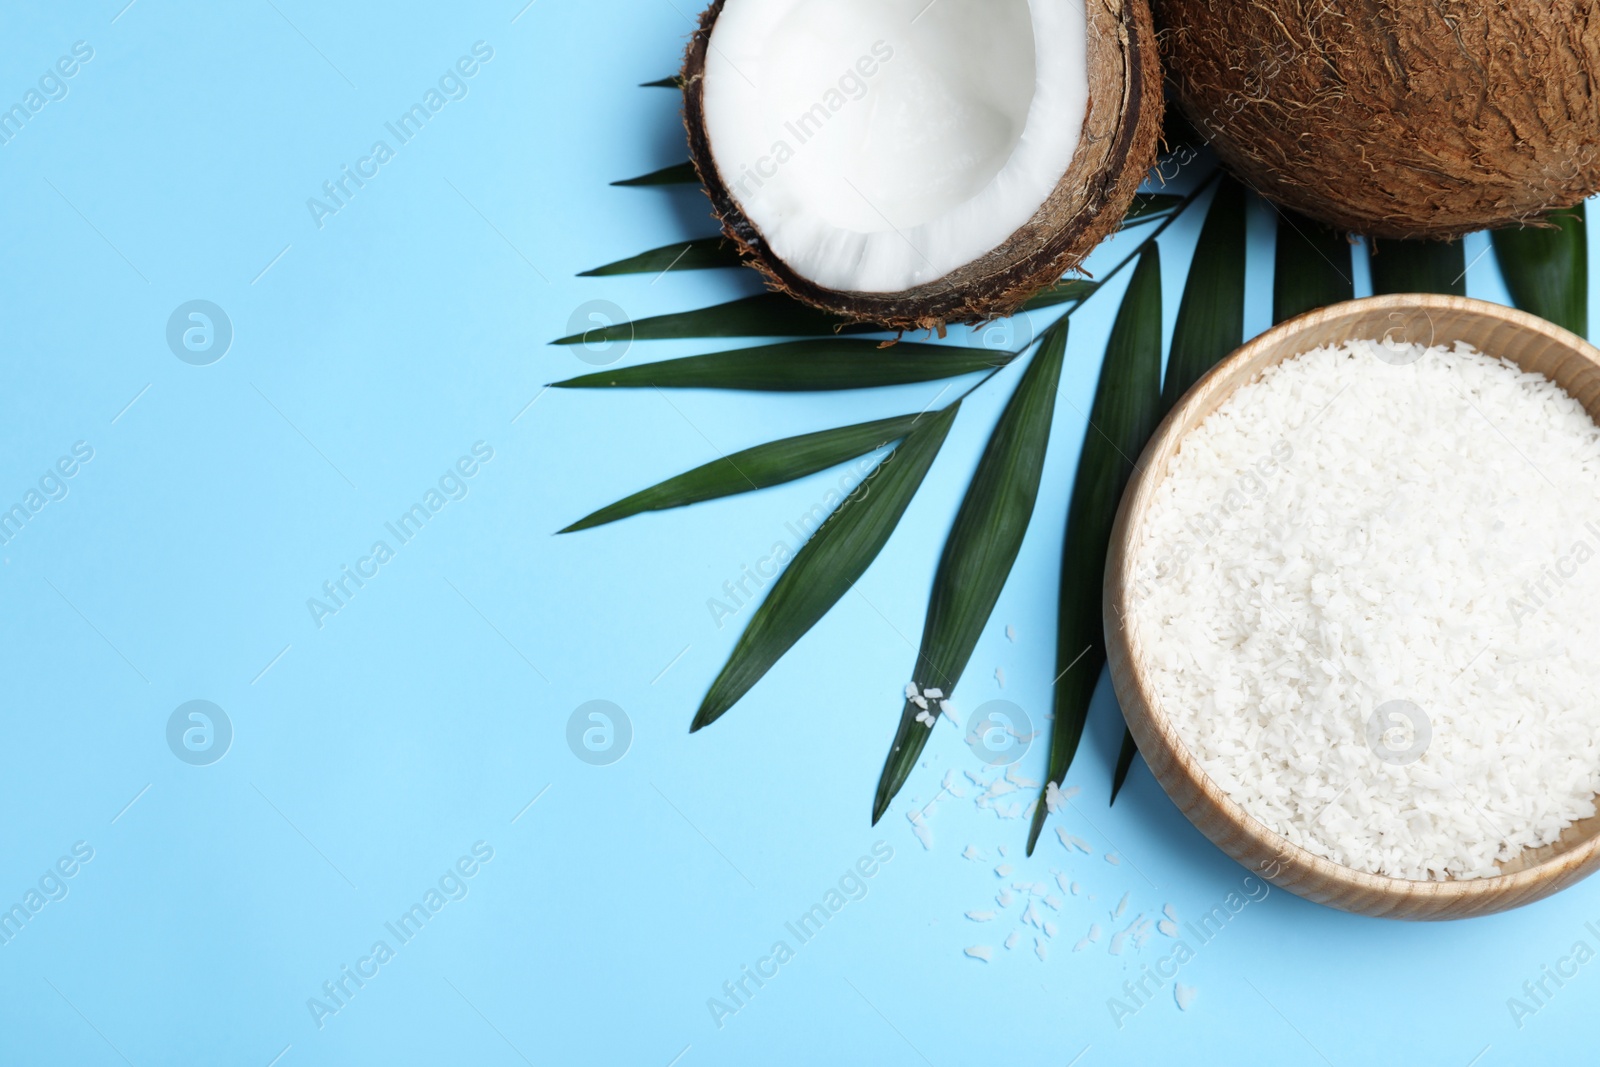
978, 554
1312, 267
1547, 269
772, 463
1210, 325
674, 82
704, 253
1211, 314
828, 564
801, 366
1418, 267
762, 315
1126, 407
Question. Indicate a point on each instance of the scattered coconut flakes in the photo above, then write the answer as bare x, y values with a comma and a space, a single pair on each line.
1066, 886
980, 916
933, 693
1002, 850
1122, 906
919, 826
1143, 931
911, 690
1031, 917
1033, 806
1168, 927
1069, 841
980, 952
1053, 801
1094, 932
1170, 912
921, 702
1184, 995
975, 778
1011, 633
1011, 941
1003, 898
1019, 780
1113, 859
1076, 889
1049, 929
1040, 949
926, 718
1117, 940
1082, 944
972, 853
1052, 901
1002, 870
1000, 676
1000, 787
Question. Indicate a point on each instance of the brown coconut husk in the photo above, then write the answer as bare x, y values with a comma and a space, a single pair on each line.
1396, 118
1115, 151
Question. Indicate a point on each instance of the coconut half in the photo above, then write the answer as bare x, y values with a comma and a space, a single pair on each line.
912, 163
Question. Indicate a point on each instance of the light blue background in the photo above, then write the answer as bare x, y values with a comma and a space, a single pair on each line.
369, 354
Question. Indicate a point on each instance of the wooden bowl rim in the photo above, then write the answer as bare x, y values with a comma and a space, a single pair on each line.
1124, 643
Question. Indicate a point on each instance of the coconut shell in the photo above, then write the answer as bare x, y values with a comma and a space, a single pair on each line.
1115, 151
1396, 118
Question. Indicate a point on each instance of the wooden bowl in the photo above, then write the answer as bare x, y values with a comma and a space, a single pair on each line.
1531, 343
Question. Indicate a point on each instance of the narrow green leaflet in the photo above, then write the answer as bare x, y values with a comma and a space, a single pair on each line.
1211, 315
1130, 749
1147, 204
978, 554
801, 366
773, 463
828, 564
674, 82
1313, 267
1418, 266
762, 315
704, 253
677, 174
1210, 325
1076, 290
1127, 404
1547, 270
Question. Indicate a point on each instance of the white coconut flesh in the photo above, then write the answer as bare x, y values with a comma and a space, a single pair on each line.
879, 145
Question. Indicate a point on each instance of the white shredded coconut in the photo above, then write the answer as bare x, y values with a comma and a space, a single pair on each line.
1366, 593
1113, 859
1040, 949
1013, 938
980, 952
980, 916
1003, 870
1168, 927
1170, 912
1184, 995
1011, 634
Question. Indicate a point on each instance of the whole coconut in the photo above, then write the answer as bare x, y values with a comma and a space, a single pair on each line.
1396, 118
